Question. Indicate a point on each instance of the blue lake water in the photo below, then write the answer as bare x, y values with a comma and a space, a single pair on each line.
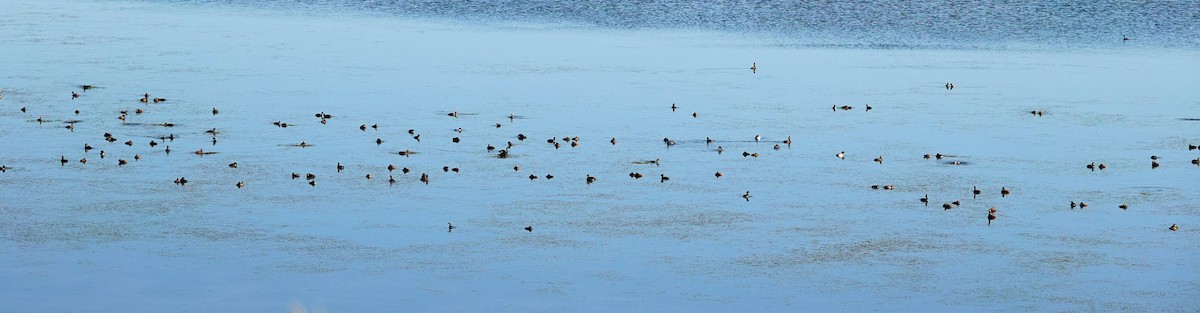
814, 236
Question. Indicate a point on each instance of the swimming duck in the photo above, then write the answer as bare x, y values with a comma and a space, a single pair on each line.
590, 179
841, 155
925, 199
378, 141
1004, 192
340, 167
1123, 206
214, 111
1173, 227
74, 95
879, 160
718, 174
240, 185
63, 160
757, 138
613, 141
975, 191
673, 107
991, 215
233, 165
529, 228
746, 196
663, 178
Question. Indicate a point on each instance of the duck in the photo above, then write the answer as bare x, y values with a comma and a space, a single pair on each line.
753, 68
455, 139
391, 167
757, 138
613, 141
746, 196
532, 177
417, 138
295, 176
516, 168
1173, 227
529, 228
928, 156
1004, 192
695, 115
503, 154
1092, 166
404, 153
391, 180
788, 141
157, 100
925, 199
425, 178
946, 206
129, 143
404, 170
841, 155
83, 161
956, 203
1102, 167
74, 95
991, 215
719, 149
548, 176
590, 179
674, 107
1072, 205
879, 160
137, 157
445, 169
153, 143
1123, 206
889, 187
663, 178
868, 108
310, 176
122, 162
776, 147
453, 114
362, 127
340, 167
369, 176
378, 141
233, 165
708, 140
975, 191
450, 227
718, 174
214, 111
312, 183
240, 185
522, 137
102, 154
490, 148
1082, 205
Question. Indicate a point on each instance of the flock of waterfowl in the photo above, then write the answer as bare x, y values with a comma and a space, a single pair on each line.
502, 153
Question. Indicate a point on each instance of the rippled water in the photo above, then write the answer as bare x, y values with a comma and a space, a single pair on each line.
815, 236
837, 23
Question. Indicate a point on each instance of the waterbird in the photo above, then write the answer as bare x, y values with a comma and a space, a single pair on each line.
240, 185
1092, 166
532, 177
1004, 192
102, 154
757, 137
788, 141
841, 155
83, 161
340, 167
946, 206
1173, 227
925, 199
453, 114
391, 180
137, 157
753, 68
776, 147
1082, 205
404, 170
529, 228
991, 215
889, 187
590, 179
369, 176
975, 191
1072, 205
879, 159
449, 227
718, 174
1102, 167
663, 178
233, 165
312, 183
295, 176
391, 167
1123, 206
613, 141
673, 107
695, 115
214, 111
425, 178
378, 141
63, 160
310, 176
746, 196
548, 176
74, 95
719, 149
868, 108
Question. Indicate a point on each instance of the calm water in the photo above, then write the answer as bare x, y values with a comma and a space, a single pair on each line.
815, 236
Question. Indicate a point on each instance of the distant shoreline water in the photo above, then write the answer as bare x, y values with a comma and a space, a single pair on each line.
890, 24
